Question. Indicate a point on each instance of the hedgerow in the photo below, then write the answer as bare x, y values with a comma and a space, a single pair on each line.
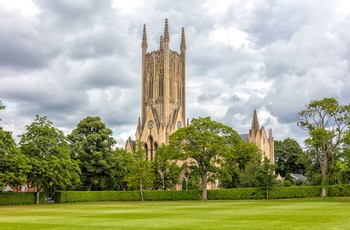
18, 198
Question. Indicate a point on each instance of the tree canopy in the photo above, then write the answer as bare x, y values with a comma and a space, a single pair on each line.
13, 164
204, 144
287, 157
92, 145
326, 122
49, 156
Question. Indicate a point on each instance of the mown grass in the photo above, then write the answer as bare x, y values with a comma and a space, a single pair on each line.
316, 213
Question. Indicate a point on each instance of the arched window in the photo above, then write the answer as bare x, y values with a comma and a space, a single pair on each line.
146, 148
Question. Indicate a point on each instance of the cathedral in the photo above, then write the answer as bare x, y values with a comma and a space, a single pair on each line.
163, 99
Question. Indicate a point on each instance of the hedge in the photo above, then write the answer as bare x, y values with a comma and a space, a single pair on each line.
158, 195
18, 198
338, 190
91, 196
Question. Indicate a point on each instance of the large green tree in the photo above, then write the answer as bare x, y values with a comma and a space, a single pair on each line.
326, 122
49, 156
204, 143
237, 162
287, 157
165, 169
140, 171
92, 146
13, 164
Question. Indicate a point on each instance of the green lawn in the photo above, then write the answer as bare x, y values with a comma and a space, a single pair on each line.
317, 213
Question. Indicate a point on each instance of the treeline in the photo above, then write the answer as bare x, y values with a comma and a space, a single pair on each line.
205, 151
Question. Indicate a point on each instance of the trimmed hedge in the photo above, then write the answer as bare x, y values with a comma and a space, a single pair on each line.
338, 190
158, 195
92, 196
236, 194
219, 194
18, 198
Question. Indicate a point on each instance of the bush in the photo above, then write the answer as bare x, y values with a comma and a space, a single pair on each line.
287, 183
18, 198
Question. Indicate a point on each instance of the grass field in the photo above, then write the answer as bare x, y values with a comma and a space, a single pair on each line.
317, 213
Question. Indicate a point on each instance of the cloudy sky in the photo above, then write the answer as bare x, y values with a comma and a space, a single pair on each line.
69, 59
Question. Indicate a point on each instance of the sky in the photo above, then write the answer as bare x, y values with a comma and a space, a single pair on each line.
71, 59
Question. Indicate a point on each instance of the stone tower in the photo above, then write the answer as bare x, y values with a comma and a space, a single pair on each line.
163, 96
259, 137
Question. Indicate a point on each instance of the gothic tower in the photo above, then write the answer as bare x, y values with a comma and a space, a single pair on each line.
259, 137
163, 96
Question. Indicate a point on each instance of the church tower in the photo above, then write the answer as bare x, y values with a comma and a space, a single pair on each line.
259, 137
163, 96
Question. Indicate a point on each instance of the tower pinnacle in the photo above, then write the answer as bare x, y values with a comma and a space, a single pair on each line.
255, 121
166, 31
183, 40
144, 37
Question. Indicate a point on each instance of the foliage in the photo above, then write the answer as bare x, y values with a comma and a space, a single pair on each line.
92, 146
140, 175
13, 164
165, 169
287, 154
326, 122
49, 156
266, 175
204, 143
20, 198
242, 158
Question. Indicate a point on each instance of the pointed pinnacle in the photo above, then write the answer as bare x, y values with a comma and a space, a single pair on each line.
166, 30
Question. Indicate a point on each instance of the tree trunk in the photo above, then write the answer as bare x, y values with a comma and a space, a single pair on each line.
267, 193
141, 192
324, 175
204, 186
37, 195
88, 188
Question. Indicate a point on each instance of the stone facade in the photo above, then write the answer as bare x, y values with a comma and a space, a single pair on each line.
163, 97
258, 136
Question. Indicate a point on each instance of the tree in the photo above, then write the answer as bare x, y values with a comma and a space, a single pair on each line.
13, 164
204, 144
92, 146
165, 169
140, 175
266, 175
287, 157
49, 156
326, 122
237, 162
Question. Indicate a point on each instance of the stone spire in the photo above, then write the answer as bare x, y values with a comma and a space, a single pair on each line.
255, 122
166, 31
183, 40
144, 37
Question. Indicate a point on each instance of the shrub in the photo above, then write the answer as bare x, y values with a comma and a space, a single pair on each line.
287, 183
236, 194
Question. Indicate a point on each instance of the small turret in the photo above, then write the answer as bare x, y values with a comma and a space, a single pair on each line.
183, 41
161, 43
144, 38
166, 32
